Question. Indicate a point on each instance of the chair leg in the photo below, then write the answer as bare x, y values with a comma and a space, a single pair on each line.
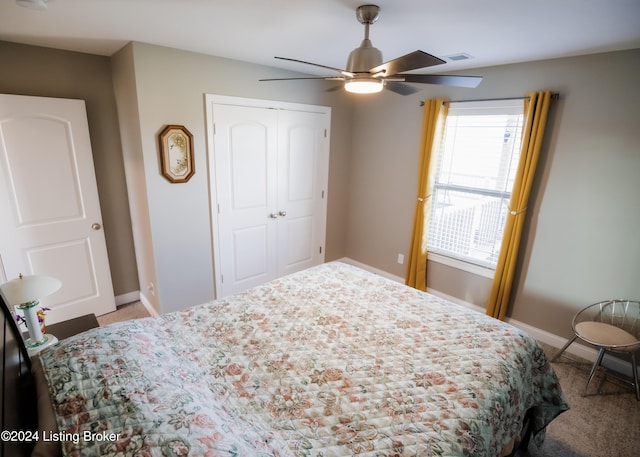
634, 366
595, 367
559, 353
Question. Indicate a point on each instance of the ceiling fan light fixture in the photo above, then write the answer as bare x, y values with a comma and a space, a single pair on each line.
364, 85
366, 73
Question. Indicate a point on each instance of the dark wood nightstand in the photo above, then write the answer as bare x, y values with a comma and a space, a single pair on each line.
73, 326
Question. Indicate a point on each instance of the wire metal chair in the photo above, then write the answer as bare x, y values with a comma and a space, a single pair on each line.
610, 325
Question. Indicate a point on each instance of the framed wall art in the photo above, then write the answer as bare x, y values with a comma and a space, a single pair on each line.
176, 153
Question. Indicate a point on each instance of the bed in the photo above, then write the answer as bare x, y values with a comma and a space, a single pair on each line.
330, 361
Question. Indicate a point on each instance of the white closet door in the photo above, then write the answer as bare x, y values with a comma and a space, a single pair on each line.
269, 165
51, 221
245, 170
303, 158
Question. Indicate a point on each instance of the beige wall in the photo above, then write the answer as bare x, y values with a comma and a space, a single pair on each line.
30, 70
581, 242
156, 86
152, 93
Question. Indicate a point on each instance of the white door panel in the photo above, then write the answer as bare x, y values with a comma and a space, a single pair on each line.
249, 147
77, 270
247, 266
49, 195
300, 251
56, 170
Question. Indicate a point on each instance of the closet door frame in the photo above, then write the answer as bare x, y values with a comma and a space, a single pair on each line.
211, 100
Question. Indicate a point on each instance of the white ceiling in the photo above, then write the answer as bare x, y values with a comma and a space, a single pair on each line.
325, 31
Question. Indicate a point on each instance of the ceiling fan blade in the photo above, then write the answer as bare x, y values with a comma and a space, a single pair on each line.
445, 80
327, 78
400, 88
344, 72
408, 62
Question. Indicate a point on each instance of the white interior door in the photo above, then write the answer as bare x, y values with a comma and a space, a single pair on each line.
303, 160
51, 221
244, 164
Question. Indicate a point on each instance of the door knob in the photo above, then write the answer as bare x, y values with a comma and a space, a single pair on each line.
282, 213
96, 226
273, 215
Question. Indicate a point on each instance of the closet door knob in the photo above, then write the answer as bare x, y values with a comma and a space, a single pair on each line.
273, 215
96, 226
282, 213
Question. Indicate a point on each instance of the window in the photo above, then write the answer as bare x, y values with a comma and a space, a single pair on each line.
477, 164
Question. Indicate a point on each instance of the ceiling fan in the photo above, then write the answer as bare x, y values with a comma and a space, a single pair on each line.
366, 73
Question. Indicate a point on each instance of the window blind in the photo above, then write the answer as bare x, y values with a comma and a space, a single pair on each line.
476, 169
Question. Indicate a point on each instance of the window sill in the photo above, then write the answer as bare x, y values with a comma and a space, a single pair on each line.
461, 265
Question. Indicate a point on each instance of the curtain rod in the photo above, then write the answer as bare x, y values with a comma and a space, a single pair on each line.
554, 96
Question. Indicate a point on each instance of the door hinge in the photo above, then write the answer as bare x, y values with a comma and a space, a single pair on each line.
320, 249
325, 133
214, 128
218, 208
322, 194
222, 278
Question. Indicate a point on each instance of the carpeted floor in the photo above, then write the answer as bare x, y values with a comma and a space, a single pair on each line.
126, 312
605, 423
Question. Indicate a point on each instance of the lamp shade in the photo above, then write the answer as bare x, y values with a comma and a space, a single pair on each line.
26, 289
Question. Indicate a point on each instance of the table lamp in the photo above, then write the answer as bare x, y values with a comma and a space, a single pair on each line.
25, 292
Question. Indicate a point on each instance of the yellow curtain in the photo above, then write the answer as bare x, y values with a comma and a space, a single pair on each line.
434, 117
536, 109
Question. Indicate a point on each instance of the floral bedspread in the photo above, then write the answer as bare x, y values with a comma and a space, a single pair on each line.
331, 361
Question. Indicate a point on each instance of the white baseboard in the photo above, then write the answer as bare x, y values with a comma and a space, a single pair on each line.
147, 304
130, 297
133, 297
576, 349
371, 269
